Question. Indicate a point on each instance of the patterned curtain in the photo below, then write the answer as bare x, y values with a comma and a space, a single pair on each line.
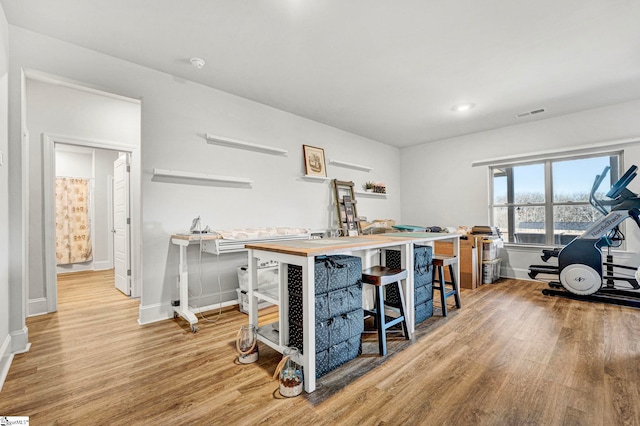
73, 241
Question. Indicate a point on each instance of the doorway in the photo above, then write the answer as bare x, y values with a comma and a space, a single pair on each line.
60, 112
117, 248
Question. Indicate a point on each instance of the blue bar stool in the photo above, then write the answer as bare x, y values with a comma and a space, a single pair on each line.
380, 276
439, 262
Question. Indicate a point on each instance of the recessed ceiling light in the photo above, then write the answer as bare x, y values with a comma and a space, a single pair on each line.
463, 107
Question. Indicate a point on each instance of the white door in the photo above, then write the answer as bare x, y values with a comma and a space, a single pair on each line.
121, 224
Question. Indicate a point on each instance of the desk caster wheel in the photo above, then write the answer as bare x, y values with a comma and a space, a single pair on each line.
194, 328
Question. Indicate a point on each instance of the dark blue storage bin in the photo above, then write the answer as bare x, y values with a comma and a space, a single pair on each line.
337, 355
331, 331
331, 273
328, 305
424, 311
422, 279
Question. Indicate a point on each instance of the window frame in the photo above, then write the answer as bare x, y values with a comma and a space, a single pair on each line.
549, 203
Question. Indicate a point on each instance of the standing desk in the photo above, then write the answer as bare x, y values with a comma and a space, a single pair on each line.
183, 241
211, 243
303, 253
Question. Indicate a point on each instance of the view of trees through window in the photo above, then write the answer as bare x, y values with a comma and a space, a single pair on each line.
548, 202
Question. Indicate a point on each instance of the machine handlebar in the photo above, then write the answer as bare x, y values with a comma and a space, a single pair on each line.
623, 182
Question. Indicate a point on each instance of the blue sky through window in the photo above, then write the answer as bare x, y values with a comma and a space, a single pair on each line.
569, 177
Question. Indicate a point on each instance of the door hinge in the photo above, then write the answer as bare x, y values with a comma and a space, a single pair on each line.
128, 221
128, 168
128, 272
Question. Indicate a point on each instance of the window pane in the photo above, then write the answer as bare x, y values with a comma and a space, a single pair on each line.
573, 179
529, 225
528, 184
571, 221
500, 221
499, 186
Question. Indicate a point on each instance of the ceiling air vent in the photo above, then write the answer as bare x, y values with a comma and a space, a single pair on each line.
532, 112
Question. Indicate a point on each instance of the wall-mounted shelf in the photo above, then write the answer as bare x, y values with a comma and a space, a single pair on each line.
350, 165
315, 177
234, 143
371, 194
200, 176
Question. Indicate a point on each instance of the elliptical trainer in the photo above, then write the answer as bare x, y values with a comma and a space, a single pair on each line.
580, 265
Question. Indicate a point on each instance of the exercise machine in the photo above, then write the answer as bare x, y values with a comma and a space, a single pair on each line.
581, 272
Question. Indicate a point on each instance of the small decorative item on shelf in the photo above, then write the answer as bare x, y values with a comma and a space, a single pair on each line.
368, 186
247, 344
379, 188
289, 373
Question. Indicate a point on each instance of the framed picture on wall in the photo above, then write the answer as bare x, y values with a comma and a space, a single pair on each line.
314, 164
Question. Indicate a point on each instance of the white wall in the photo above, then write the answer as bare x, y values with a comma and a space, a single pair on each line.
64, 111
440, 187
175, 116
5, 339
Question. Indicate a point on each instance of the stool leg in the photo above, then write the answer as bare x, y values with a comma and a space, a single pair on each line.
403, 310
382, 332
443, 291
456, 287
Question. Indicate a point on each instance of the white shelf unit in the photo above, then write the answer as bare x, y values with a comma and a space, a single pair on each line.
371, 194
318, 178
350, 165
234, 143
201, 176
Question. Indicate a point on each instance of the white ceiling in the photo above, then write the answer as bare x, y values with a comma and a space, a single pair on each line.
387, 70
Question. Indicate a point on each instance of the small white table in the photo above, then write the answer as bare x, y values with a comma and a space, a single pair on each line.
303, 253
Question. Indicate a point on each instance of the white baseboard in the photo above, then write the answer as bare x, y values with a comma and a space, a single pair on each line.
162, 311
102, 265
154, 313
37, 307
20, 341
6, 357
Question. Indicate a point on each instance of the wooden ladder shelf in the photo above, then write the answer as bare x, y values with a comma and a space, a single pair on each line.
346, 208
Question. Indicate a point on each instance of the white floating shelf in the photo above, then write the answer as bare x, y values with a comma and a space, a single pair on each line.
315, 177
370, 194
200, 176
233, 143
350, 165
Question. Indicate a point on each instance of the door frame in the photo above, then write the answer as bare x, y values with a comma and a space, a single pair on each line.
48, 181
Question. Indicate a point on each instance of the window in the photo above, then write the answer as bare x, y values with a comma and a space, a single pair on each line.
547, 202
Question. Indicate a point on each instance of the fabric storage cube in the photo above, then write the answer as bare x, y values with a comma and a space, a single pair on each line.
422, 259
331, 331
423, 294
337, 355
422, 273
331, 273
328, 305
420, 279
322, 363
424, 311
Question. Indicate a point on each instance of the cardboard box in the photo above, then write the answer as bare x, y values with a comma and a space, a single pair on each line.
469, 266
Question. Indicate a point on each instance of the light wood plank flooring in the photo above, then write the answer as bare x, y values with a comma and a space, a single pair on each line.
510, 356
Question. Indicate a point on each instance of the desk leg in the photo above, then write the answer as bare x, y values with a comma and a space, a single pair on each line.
406, 261
183, 278
253, 284
309, 324
456, 269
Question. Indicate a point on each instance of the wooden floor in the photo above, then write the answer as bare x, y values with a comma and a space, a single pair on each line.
510, 356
